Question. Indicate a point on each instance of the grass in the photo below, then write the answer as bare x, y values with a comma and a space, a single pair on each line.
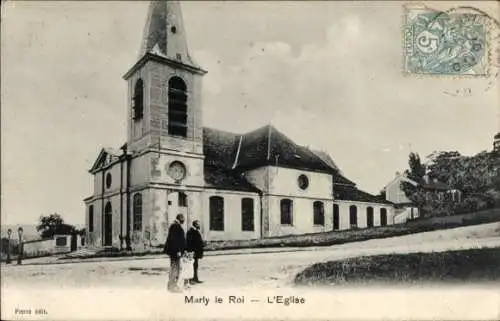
464, 266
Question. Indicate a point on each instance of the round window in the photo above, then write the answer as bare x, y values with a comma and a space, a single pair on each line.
177, 171
108, 180
303, 181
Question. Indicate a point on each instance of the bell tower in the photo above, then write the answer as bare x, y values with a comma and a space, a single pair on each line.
164, 86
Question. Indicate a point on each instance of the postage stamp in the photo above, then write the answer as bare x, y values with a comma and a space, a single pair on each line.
445, 43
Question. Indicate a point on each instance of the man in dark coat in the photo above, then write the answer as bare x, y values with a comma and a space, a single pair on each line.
195, 244
175, 246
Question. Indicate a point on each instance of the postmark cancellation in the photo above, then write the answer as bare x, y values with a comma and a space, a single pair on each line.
452, 42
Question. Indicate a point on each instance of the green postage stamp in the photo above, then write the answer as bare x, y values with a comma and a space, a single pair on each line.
445, 43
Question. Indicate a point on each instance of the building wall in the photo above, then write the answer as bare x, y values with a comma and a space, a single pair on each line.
394, 193
232, 216
404, 214
302, 216
278, 183
259, 177
159, 164
94, 238
344, 213
164, 207
284, 181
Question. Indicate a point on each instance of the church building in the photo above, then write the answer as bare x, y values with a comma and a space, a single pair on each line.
239, 186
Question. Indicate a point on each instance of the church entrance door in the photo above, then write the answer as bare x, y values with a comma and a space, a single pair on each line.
108, 231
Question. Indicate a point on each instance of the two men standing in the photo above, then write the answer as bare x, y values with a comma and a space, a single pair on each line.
175, 247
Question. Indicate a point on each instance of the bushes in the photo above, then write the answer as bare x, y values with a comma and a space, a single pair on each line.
469, 265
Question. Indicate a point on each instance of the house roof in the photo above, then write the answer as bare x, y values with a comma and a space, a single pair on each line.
435, 185
351, 193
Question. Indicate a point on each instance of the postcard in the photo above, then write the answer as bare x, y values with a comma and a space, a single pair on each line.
260, 160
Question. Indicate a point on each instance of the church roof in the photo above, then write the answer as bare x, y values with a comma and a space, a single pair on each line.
226, 179
219, 147
268, 146
263, 147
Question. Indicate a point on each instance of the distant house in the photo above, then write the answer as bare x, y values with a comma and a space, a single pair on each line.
404, 208
496, 142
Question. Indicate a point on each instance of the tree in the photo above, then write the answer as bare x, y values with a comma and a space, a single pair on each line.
53, 224
417, 169
413, 189
476, 177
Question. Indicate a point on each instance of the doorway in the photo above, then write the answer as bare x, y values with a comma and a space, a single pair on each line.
108, 227
74, 239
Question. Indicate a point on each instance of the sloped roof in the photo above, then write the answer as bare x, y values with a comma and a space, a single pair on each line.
435, 185
106, 156
262, 147
351, 193
326, 158
222, 178
268, 146
219, 147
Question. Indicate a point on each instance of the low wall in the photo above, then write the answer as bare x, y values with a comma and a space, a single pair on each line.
38, 248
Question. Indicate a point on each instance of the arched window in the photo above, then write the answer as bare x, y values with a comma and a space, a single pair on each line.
216, 213
138, 99
319, 213
369, 216
336, 217
286, 206
108, 209
177, 107
182, 199
247, 214
108, 225
91, 218
137, 201
353, 216
383, 216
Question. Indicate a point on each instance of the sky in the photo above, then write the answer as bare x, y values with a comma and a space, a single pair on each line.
327, 74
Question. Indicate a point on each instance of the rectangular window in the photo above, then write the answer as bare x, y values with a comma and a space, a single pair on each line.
61, 241
247, 214
216, 213
286, 206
